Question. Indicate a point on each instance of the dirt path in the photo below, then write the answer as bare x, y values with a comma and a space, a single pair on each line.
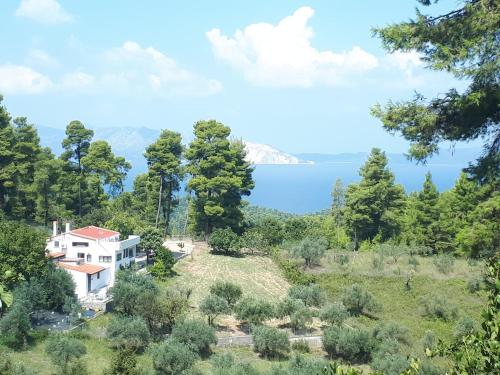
246, 340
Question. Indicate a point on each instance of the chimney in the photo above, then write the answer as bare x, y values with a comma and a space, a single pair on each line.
54, 228
68, 227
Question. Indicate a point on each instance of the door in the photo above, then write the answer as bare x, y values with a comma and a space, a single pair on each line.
89, 283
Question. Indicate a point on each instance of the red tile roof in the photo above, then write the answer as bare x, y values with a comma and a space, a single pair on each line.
55, 255
85, 268
94, 232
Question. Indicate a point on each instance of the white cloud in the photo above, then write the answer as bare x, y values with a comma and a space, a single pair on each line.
282, 55
41, 58
48, 12
77, 81
147, 69
17, 79
409, 63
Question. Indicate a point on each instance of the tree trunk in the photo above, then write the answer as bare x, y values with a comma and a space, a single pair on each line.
169, 206
159, 201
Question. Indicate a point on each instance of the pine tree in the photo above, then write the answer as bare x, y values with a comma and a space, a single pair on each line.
220, 177
374, 205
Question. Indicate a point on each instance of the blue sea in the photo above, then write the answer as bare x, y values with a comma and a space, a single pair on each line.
306, 188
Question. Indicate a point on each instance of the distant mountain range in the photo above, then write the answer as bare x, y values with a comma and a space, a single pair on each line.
131, 142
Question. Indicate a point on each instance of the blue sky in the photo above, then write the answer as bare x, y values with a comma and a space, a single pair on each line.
300, 76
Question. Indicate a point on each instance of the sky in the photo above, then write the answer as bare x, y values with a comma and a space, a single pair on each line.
300, 76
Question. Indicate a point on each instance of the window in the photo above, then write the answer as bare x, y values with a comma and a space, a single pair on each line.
80, 244
56, 243
105, 259
119, 257
125, 253
80, 255
89, 258
98, 275
131, 253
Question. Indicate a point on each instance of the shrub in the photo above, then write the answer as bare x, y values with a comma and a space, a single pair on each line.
412, 261
301, 346
351, 344
301, 365
196, 334
378, 262
129, 289
8, 367
312, 295
16, 324
253, 311
212, 306
311, 249
123, 362
429, 341
224, 241
438, 307
341, 259
392, 331
229, 291
390, 364
292, 272
172, 358
465, 327
444, 263
270, 341
474, 285
359, 301
301, 318
428, 368
224, 364
288, 307
334, 314
62, 349
130, 333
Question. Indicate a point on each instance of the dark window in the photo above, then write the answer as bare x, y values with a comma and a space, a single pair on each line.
56, 243
80, 244
80, 255
119, 257
98, 275
131, 253
105, 259
89, 258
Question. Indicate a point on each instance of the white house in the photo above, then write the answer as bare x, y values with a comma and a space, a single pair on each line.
92, 256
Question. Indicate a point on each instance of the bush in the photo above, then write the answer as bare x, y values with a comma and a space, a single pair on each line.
229, 291
311, 249
390, 364
195, 334
212, 306
270, 341
301, 318
359, 301
301, 346
438, 307
16, 324
129, 289
412, 261
334, 314
378, 262
123, 362
172, 358
392, 331
341, 259
62, 349
301, 365
444, 263
7, 367
130, 333
287, 307
224, 364
253, 311
224, 241
350, 344
311, 295
465, 327
475, 284
292, 272
429, 341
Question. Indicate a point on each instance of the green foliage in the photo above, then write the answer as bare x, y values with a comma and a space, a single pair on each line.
225, 364
429, 341
63, 350
227, 290
466, 326
390, 363
123, 362
352, 345
195, 334
58, 286
253, 311
392, 331
164, 164
124, 223
164, 262
212, 306
444, 263
224, 241
16, 323
127, 291
300, 365
8, 367
300, 346
220, 177
438, 307
272, 230
288, 307
300, 319
254, 241
334, 314
311, 295
172, 358
462, 42
310, 249
270, 342
374, 205
292, 272
359, 301
475, 284
128, 333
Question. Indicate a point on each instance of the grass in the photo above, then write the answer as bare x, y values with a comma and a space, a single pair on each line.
258, 276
